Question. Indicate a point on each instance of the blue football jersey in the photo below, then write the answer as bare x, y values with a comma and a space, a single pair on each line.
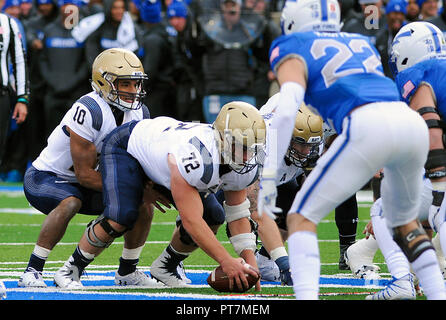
344, 71
430, 72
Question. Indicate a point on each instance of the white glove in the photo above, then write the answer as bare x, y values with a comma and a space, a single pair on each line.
435, 218
436, 210
266, 201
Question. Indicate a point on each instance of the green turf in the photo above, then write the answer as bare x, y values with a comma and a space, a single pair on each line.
18, 233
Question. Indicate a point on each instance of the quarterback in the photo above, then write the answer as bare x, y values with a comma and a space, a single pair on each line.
64, 179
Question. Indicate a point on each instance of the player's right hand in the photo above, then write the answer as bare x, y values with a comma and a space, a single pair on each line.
235, 270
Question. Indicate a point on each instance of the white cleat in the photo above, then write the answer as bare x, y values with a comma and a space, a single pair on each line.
164, 270
31, 278
367, 272
399, 289
68, 277
137, 278
2, 290
269, 271
182, 272
360, 260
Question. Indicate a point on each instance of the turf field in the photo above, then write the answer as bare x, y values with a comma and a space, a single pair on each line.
20, 225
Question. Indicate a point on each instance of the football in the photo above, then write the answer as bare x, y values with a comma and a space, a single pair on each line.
219, 281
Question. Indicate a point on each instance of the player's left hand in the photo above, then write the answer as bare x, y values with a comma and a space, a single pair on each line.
266, 202
151, 196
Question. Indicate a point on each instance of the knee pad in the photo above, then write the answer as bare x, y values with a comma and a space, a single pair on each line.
409, 244
93, 239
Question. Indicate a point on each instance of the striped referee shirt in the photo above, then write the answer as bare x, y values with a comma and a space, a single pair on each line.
11, 48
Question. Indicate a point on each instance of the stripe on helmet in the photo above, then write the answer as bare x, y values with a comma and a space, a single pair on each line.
324, 10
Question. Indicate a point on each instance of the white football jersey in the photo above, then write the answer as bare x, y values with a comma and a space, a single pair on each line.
285, 171
195, 149
91, 118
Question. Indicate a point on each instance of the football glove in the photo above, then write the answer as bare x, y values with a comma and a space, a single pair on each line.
266, 202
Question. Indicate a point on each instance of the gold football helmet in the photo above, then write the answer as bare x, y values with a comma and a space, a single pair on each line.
112, 66
306, 139
240, 132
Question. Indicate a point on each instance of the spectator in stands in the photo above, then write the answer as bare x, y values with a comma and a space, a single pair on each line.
428, 9
413, 11
395, 15
12, 8
440, 20
228, 60
264, 76
112, 28
188, 73
158, 61
92, 7
63, 65
27, 10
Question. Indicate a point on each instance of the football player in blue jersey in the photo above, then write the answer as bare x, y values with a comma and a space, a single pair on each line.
418, 61
340, 76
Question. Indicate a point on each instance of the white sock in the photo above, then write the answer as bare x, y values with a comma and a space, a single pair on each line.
396, 260
41, 252
131, 254
304, 264
431, 280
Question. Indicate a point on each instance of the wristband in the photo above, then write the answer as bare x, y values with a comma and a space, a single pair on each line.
23, 100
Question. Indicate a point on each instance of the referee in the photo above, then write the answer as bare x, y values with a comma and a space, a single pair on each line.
13, 96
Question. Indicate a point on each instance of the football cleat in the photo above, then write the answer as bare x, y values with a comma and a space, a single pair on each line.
342, 263
137, 278
164, 270
269, 271
367, 272
182, 272
398, 289
68, 276
31, 278
285, 278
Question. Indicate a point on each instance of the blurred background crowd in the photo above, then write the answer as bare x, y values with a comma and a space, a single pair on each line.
198, 54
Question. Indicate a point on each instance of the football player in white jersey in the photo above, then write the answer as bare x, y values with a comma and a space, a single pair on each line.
64, 179
304, 149
186, 158
168, 266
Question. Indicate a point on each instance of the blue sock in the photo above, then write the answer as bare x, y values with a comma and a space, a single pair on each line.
283, 263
